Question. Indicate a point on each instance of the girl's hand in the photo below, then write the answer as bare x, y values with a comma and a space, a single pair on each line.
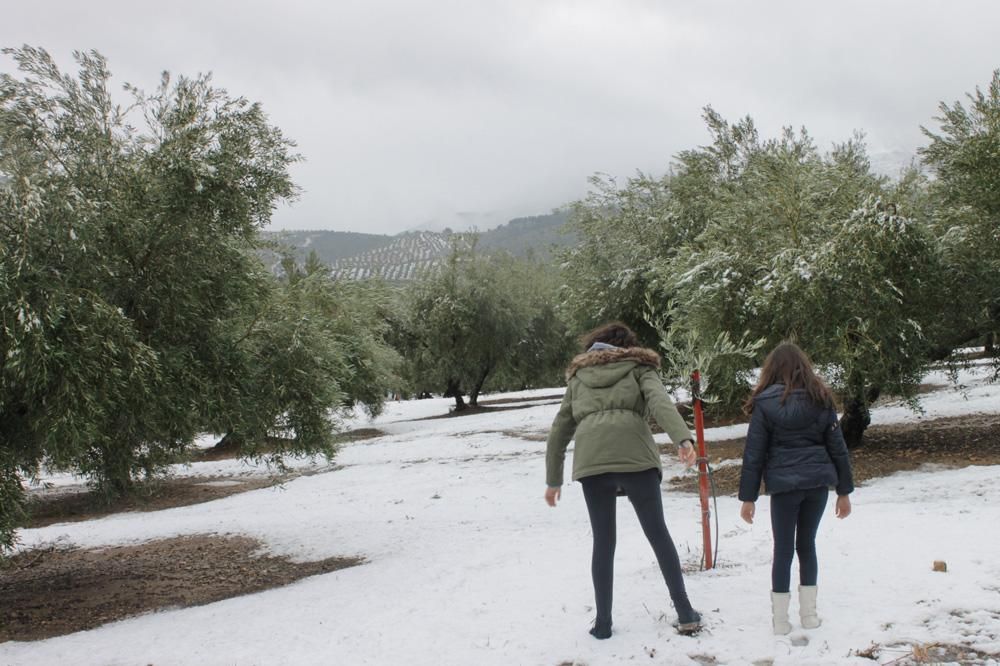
552, 495
686, 453
747, 511
843, 506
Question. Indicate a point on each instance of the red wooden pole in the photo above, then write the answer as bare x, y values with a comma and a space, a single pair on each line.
699, 428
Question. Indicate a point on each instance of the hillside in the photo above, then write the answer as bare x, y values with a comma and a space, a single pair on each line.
402, 259
331, 246
399, 258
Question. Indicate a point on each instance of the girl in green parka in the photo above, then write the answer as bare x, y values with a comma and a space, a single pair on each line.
611, 388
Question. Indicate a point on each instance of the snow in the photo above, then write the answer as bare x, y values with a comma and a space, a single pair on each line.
466, 564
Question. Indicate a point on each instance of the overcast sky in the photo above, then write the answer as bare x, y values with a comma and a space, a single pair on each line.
416, 114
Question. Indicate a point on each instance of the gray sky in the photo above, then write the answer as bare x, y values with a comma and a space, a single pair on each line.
428, 113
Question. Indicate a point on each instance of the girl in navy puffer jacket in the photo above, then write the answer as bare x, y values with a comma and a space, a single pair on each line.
794, 442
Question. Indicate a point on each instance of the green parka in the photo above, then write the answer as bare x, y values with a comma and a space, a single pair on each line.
609, 394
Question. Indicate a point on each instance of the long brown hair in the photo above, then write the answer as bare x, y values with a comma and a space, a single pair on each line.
613, 333
789, 365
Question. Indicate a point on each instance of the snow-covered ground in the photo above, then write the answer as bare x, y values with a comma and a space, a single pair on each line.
467, 565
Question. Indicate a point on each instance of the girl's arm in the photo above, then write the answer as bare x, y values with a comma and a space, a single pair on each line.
563, 428
833, 438
754, 456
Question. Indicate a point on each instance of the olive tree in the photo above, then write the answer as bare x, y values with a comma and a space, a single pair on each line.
477, 318
802, 246
134, 309
964, 157
749, 241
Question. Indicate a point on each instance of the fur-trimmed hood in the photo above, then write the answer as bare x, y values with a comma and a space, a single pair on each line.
610, 394
603, 357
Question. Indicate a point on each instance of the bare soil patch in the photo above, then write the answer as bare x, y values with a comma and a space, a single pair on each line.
711, 420
958, 441
930, 653
487, 408
359, 434
922, 389
507, 401
530, 435
505, 404
49, 592
75, 506
228, 449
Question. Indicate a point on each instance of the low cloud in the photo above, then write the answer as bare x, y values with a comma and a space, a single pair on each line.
412, 112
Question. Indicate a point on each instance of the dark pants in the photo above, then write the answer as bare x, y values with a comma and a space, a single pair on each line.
643, 490
795, 519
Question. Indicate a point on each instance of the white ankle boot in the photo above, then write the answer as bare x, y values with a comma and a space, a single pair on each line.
807, 607
779, 610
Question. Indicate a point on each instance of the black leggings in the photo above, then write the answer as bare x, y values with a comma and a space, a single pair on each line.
643, 490
795, 519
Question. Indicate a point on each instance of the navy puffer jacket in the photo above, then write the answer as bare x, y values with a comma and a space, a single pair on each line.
797, 445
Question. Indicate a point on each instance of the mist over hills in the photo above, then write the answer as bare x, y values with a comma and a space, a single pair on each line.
401, 257
330, 246
464, 221
892, 163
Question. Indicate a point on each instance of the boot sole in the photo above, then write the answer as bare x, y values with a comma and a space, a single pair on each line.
689, 628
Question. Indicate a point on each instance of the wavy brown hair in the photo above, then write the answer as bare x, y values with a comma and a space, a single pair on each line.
789, 365
613, 333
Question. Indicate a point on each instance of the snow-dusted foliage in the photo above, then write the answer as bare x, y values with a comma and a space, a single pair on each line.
754, 239
964, 155
623, 232
724, 364
134, 311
